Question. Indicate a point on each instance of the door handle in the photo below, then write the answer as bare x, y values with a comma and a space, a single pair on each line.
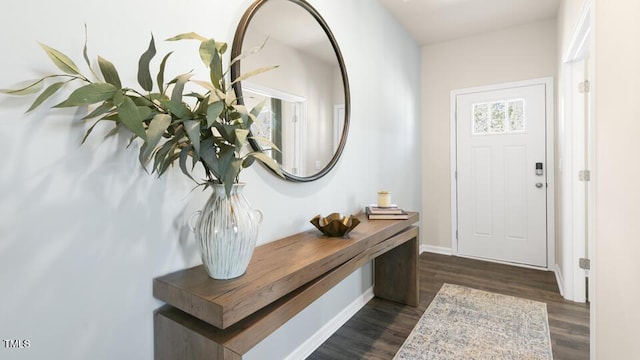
539, 185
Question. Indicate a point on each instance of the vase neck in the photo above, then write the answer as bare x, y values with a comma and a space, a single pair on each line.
220, 189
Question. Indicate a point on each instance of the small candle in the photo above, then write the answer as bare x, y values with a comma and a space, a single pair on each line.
384, 199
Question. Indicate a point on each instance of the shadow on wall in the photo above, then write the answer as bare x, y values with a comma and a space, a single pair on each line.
74, 231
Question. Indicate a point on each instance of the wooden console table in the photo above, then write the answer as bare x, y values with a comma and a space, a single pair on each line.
223, 319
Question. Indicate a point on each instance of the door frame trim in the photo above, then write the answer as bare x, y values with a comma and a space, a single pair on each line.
550, 158
578, 154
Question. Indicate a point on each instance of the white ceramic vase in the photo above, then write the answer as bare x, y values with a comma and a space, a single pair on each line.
226, 231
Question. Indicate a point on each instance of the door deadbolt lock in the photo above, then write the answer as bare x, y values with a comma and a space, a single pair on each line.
539, 169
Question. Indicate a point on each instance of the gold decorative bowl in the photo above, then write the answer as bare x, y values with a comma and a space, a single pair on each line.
335, 226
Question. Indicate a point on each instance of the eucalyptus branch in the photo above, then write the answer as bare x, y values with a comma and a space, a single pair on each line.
85, 79
25, 89
171, 129
158, 107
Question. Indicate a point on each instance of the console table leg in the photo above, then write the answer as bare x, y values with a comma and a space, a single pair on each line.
396, 274
179, 336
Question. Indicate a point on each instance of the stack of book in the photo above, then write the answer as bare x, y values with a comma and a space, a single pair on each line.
393, 212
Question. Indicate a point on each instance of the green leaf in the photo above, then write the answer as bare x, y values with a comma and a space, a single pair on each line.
225, 156
145, 112
218, 163
157, 127
213, 111
256, 110
253, 73
199, 97
109, 72
131, 118
248, 161
216, 71
160, 78
232, 100
221, 46
141, 101
244, 119
85, 51
195, 159
144, 75
62, 61
184, 154
190, 36
208, 156
241, 137
253, 115
160, 159
249, 53
204, 84
156, 96
178, 88
112, 117
25, 87
170, 158
104, 108
50, 90
226, 131
207, 49
180, 110
89, 94
268, 161
118, 98
263, 140
192, 127
143, 157
231, 174
201, 105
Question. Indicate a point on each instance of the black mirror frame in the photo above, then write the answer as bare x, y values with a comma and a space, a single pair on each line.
236, 50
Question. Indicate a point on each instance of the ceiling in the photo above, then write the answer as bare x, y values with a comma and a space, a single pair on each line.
432, 21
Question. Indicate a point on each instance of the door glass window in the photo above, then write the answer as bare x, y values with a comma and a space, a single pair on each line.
516, 115
499, 117
480, 118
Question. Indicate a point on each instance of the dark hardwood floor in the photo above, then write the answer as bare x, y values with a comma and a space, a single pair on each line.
378, 330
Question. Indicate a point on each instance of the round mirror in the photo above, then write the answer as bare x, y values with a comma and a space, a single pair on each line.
306, 98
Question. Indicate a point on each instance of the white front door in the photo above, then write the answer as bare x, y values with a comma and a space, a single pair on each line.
502, 174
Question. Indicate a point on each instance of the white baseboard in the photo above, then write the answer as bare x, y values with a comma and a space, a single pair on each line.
314, 342
436, 249
559, 280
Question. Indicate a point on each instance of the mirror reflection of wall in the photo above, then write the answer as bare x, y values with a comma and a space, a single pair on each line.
308, 84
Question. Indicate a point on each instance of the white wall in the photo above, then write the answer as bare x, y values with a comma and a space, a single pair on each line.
518, 53
617, 269
84, 230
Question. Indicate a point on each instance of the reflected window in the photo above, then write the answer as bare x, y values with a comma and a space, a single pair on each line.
281, 123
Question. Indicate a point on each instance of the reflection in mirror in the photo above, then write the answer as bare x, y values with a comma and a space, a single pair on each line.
306, 106
279, 122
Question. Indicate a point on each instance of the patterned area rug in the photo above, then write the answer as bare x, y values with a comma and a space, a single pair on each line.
465, 323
